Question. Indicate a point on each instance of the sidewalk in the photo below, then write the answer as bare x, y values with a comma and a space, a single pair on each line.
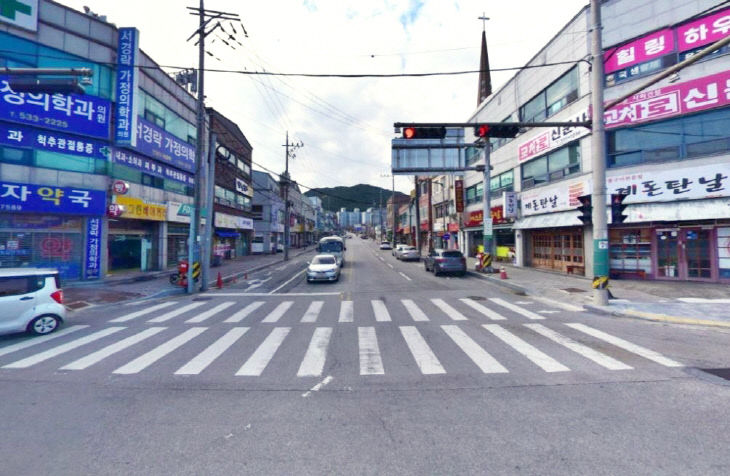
135, 285
669, 301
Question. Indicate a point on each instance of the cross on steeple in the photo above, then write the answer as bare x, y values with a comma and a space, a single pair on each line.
484, 19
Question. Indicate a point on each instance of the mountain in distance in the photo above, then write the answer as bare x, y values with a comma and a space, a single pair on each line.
360, 196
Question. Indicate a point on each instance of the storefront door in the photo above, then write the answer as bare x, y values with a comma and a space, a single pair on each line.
667, 249
684, 253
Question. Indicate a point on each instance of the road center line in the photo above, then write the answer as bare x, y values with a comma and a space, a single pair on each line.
318, 387
289, 281
401, 273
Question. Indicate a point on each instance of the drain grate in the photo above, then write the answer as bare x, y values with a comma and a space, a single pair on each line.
204, 298
77, 305
477, 298
574, 290
722, 373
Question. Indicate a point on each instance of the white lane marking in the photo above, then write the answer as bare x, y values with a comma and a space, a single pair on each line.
314, 359
176, 312
370, 361
243, 313
493, 315
391, 266
31, 341
257, 284
401, 273
282, 268
545, 311
264, 353
626, 345
198, 363
414, 310
597, 357
313, 311
449, 311
296, 275
60, 349
149, 358
381, 258
476, 353
278, 311
269, 294
210, 312
539, 358
523, 302
422, 353
130, 316
517, 309
704, 300
317, 387
111, 349
346, 312
380, 311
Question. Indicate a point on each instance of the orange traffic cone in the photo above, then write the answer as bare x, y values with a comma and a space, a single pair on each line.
502, 273
219, 281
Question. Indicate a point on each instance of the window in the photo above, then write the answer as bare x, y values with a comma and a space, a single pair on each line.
551, 99
162, 116
73, 163
16, 286
154, 118
675, 139
501, 183
551, 167
16, 156
475, 193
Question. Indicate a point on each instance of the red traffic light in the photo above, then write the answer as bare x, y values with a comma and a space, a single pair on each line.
424, 132
482, 130
409, 132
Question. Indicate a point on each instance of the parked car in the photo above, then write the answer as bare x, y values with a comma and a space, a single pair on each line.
445, 261
397, 248
385, 245
323, 268
31, 300
408, 253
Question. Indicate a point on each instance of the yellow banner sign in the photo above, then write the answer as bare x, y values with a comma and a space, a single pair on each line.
137, 208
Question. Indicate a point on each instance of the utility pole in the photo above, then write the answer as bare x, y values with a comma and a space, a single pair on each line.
430, 216
418, 216
395, 212
208, 228
290, 148
487, 200
598, 162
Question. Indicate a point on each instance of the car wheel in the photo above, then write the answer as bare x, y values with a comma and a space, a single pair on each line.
425, 267
43, 325
435, 270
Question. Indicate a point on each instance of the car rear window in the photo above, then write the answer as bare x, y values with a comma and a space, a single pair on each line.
13, 286
451, 254
324, 260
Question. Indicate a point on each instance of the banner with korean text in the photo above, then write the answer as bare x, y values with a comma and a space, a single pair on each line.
125, 124
47, 199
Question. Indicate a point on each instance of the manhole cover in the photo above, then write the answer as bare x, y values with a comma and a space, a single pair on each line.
202, 298
77, 305
722, 373
574, 290
477, 298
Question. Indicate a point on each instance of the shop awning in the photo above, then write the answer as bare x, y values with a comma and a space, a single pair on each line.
679, 210
227, 234
548, 220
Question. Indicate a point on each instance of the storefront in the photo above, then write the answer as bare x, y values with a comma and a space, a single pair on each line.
502, 233
134, 231
233, 235
178, 231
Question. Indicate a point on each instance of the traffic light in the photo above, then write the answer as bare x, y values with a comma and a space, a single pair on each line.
585, 209
618, 207
496, 130
46, 85
424, 132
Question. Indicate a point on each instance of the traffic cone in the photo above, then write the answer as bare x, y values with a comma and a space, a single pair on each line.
219, 281
502, 273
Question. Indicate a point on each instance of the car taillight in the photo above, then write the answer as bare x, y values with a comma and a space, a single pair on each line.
58, 296
440, 260
463, 260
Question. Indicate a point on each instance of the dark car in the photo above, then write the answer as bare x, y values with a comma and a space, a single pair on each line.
445, 261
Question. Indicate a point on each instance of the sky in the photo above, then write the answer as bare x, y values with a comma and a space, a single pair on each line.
345, 125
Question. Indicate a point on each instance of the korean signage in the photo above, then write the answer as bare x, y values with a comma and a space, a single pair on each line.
475, 218
179, 212
509, 204
92, 264
126, 113
673, 100
704, 31
134, 207
223, 220
163, 146
20, 13
553, 138
459, 195
563, 196
85, 115
24, 197
243, 187
644, 49
149, 166
120, 187
21, 136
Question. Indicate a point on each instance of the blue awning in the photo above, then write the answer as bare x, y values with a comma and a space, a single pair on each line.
227, 234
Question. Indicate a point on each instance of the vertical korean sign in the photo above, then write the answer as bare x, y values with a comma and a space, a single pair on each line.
125, 130
92, 265
459, 195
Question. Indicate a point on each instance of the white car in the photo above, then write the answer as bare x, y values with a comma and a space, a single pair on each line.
323, 268
397, 249
385, 245
31, 300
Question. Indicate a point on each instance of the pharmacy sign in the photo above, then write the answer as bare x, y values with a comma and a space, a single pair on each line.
21, 13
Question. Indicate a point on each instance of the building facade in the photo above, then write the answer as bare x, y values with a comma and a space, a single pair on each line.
268, 214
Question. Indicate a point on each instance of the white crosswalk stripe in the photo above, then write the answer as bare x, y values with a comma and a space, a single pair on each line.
448, 310
542, 360
279, 311
380, 311
244, 313
58, 350
587, 352
256, 364
422, 353
149, 358
414, 310
111, 349
493, 315
481, 357
314, 359
212, 352
169, 315
149, 310
210, 312
514, 308
371, 363
313, 311
33, 341
626, 345
346, 312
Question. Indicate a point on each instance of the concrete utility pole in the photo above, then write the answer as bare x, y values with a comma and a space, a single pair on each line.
418, 215
290, 148
487, 203
430, 216
208, 228
395, 212
598, 162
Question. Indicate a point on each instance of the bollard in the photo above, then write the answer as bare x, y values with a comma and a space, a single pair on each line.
502, 273
219, 281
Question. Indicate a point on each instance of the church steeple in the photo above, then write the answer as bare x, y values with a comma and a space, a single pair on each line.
485, 78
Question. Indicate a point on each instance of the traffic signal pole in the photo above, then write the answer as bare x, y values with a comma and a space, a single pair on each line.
487, 201
598, 164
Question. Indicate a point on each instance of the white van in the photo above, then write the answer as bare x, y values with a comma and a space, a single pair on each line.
333, 245
31, 300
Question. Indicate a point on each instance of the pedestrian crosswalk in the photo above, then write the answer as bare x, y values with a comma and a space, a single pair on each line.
314, 351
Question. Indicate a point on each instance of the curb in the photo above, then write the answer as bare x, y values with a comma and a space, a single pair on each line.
515, 288
649, 316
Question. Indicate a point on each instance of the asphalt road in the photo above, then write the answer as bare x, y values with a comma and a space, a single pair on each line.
388, 371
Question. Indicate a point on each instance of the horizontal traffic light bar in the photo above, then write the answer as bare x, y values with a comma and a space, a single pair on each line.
587, 124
